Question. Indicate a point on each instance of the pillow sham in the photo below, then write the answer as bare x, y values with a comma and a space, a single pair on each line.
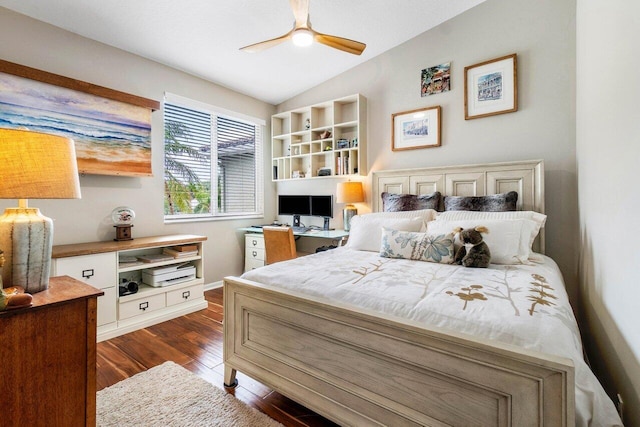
508, 239
425, 214
410, 202
536, 217
492, 203
366, 230
417, 246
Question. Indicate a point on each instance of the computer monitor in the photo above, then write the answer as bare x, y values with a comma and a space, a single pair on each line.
305, 205
322, 206
294, 205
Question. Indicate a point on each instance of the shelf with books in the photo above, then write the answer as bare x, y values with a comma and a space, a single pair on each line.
308, 142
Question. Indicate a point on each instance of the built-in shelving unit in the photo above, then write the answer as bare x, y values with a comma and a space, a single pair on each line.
326, 139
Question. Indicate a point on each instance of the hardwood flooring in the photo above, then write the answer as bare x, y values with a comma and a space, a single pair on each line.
195, 342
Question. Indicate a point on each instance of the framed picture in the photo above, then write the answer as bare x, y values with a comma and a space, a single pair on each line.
416, 129
491, 87
111, 129
435, 79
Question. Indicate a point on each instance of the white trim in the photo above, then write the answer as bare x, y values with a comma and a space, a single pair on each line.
198, 105
213, 285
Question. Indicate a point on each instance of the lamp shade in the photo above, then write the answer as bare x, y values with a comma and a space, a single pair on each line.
37, 166
350, 192
34, 166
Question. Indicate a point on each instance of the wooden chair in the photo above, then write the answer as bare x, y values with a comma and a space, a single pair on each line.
279, 244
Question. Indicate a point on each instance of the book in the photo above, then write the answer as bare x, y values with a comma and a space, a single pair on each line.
184, 248
179, 254
128, 264
154, 257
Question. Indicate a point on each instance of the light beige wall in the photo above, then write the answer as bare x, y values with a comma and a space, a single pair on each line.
42, 46
542, 33
608, 151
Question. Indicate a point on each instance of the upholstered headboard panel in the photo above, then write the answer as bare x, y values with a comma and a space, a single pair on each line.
524, 177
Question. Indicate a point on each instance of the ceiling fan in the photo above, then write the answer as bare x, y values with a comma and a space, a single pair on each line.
302, 34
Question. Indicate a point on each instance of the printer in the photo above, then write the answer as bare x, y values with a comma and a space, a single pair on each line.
168, 275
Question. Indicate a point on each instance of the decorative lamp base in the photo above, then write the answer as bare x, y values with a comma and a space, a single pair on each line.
349, 212
123, 232
26, 237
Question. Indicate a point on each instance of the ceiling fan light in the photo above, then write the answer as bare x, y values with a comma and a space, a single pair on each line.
302, 37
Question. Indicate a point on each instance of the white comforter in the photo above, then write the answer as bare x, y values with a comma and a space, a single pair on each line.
522, 305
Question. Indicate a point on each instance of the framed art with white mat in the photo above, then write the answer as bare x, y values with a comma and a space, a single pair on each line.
491, 88
416, 129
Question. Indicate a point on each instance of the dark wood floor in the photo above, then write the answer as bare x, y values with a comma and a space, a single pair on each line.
195, 342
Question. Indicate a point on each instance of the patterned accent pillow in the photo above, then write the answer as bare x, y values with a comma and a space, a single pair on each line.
410, 202
492, 203
417, 246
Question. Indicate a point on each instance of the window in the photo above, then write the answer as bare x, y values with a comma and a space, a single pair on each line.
212, 162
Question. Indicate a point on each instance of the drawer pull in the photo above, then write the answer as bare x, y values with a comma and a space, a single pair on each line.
255, 242
87, 273
254, 253
186, 294
144, 305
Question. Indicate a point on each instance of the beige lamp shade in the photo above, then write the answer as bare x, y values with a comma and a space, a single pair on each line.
33, 166
37, 166
350, 192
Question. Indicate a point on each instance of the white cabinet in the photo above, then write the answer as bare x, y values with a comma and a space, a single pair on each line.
98, 271
254, 255
327, 139
97, 264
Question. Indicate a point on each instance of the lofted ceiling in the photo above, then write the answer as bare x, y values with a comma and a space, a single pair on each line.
203, 37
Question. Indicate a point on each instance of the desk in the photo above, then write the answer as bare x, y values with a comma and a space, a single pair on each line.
254, 243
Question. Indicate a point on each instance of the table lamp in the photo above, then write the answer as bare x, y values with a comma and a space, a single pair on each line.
32, 166
349, 192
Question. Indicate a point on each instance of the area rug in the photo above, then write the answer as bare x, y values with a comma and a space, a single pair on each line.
170, 395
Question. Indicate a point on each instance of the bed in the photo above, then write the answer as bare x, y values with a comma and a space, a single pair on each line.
365, 339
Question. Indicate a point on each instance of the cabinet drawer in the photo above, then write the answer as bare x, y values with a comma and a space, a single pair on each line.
250, 264
254, 253
97, 270
107, 306
140, 306
254, 241
185, 294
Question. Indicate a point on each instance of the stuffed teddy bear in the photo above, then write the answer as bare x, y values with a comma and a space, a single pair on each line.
474, 252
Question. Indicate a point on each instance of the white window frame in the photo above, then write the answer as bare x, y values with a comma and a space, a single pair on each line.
259, 161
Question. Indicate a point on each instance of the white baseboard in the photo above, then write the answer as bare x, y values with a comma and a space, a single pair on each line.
213, 285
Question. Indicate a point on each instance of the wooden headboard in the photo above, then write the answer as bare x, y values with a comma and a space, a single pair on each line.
525, 177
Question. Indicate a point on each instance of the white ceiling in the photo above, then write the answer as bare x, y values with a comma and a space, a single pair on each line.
202, 37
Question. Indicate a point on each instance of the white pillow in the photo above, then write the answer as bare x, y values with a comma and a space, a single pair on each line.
425, 214
536, 217
366, 230
509, 240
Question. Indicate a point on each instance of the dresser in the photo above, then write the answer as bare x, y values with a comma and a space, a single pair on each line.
48, 354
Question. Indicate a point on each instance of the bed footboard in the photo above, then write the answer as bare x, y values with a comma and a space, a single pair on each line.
358, 368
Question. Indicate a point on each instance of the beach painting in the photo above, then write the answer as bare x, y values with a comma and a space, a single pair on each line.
111, 137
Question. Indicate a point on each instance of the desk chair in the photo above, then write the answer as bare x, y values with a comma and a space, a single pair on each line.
279, 244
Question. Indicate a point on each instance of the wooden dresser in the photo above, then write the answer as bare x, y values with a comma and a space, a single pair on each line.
48, 357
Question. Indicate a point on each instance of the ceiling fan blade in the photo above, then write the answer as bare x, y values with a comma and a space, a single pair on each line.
258, 47
300, 10
347, 45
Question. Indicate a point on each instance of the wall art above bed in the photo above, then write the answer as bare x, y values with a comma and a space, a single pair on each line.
416, 129
111, 129
491, 87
